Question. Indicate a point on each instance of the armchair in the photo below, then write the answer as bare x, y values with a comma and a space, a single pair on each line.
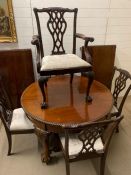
60, 62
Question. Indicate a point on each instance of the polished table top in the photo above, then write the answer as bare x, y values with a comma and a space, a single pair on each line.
67, 103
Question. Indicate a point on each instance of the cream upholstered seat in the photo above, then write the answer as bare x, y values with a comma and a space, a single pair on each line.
20, 121
65, 61
75, 145
114, 110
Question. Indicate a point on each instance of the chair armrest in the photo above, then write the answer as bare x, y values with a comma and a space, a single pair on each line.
87, 40
35, 41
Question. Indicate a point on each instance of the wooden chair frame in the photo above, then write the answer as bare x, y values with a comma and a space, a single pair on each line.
86, 133
6, 113
120, 85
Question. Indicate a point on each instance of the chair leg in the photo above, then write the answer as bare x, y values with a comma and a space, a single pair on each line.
117, 129
9, 144
67, 167
71, 78
90, 76
102, 165
43, 138
42, 84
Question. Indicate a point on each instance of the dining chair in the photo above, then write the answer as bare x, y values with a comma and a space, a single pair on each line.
121, 86
59, 62
15, 121
85, 141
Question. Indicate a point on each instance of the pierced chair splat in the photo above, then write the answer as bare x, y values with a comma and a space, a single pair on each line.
60, 62
121, 89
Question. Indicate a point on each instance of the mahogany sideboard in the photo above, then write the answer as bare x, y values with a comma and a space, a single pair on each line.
16, 68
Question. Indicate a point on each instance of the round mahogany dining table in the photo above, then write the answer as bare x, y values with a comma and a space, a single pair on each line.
66, 103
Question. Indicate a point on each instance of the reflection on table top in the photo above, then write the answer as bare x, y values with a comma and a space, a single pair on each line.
67, 102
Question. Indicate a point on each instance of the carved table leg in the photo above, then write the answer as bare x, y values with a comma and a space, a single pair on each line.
71, 77
43, 84
45, 155
43, 137
90, 76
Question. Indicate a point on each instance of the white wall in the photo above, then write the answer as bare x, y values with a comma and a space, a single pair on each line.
108, 21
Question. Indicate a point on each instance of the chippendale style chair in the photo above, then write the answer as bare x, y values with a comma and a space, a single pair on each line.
59, 62
14, 121
122, 84
87, 141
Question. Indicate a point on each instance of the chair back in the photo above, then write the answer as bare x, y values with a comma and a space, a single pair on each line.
122, 85
4, 97
57, 26
89, 134
5, 106
6, 116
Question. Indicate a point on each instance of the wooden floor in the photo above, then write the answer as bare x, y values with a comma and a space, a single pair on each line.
26, 160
